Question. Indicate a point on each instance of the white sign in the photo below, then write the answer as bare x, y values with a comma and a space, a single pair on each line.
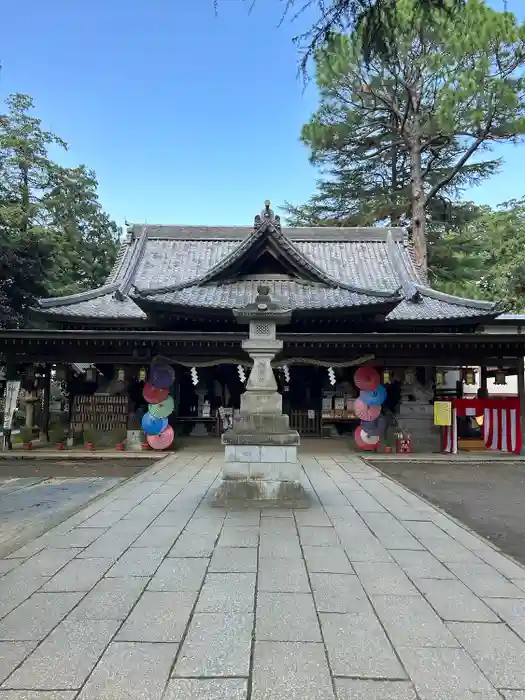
311, 414
11, 398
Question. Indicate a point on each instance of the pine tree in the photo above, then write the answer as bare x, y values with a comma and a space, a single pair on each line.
451, 88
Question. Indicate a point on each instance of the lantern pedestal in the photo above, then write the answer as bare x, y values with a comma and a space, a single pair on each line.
134, 439
260, 451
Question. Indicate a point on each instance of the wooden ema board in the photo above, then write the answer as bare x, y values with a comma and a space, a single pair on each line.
102, 412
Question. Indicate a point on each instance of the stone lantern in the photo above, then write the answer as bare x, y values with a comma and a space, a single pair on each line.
260, 451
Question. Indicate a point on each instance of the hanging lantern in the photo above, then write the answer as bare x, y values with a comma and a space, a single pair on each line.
440, 377
500, 377
142, 374
91, 374
331, 375
386, 376
241, 373
286, 372
409, 376
121, 374
194, 376
469, 376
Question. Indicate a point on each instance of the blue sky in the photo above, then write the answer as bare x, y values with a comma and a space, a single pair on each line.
186, 116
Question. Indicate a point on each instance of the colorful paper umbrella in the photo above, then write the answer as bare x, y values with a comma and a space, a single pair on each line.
163, 409
365, 441
367, 378
163, 440
152, 394
375, 397
365, 412
161, 376
152, 425
375, 427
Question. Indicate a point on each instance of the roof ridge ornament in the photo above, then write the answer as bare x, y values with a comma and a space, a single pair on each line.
267, 215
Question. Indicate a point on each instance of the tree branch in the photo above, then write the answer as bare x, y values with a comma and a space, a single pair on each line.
454, 171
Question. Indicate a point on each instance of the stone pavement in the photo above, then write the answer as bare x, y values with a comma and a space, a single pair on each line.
371, 594
31, 506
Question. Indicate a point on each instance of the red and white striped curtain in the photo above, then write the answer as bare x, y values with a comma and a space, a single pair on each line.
501, 429
501, 423
450, 434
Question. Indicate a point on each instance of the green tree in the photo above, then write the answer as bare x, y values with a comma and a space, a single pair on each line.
450, 89
501, 233
375, 18
25, 262
86, 238
55, 236
25, 167
456, 250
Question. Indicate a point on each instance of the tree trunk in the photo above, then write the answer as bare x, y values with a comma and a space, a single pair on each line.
26, 214
419, 237
394, 210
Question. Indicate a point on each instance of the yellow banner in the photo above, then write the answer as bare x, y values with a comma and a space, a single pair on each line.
442, 413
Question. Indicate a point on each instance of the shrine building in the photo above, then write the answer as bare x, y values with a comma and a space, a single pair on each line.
357, 297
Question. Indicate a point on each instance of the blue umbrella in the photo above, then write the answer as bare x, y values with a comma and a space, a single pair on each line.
373, 398
152, 425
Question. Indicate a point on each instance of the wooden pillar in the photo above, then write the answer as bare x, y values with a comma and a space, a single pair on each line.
483, 391
521, 394
46, 400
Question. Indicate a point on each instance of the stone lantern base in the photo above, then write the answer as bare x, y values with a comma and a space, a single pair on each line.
261, 470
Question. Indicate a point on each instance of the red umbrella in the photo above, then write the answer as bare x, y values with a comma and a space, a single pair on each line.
154, 394
365, 441
367, 378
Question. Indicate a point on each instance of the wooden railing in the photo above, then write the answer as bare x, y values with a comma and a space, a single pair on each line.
305, 425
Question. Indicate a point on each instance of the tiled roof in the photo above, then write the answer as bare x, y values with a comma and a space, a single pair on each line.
188, 267
101, 307
296, 295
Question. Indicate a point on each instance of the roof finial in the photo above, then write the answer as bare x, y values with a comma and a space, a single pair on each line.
267, 215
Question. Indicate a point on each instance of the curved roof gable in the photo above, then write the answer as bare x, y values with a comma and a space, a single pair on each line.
266, 236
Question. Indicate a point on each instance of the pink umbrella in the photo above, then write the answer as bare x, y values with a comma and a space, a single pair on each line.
163, 440
366, 412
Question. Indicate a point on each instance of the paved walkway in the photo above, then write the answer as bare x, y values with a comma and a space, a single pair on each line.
369, 595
